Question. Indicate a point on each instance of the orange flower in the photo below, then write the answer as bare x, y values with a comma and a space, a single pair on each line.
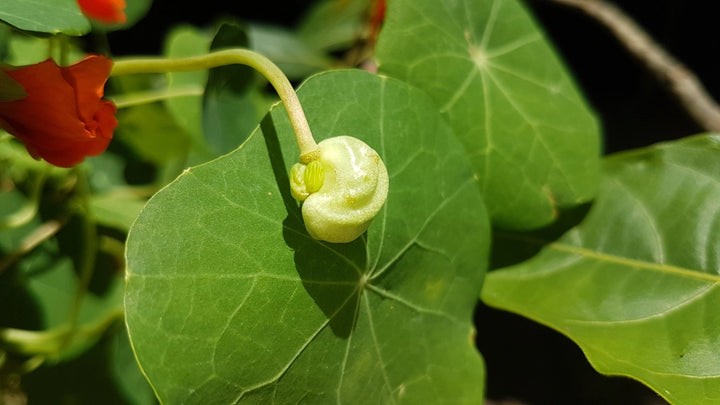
105, 11
62, 119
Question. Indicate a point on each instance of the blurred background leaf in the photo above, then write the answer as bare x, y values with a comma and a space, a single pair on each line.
635, 284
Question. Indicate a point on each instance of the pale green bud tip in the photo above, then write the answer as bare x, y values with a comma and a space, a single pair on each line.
343, 189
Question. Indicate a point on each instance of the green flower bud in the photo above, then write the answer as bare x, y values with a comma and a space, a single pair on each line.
342, 190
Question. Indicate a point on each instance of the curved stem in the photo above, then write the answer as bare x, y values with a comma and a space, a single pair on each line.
305, 141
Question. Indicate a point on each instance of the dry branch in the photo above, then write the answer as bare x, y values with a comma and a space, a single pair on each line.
680, 80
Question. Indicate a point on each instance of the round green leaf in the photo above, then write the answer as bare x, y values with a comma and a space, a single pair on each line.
636, 283
50, 16
494, 76
229, 300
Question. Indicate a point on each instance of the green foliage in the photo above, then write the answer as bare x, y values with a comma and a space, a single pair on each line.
228, 297
639, 275
494, 76
233, 103
46, 16
188, 217
186, 110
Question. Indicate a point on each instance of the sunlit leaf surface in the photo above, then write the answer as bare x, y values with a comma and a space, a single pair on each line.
229, 300
636, 283
51, 16
495, 77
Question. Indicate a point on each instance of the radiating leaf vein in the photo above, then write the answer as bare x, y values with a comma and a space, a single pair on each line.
538, 134
638, 264
649, 218
230, 318
413, 306
375, 273
297, 354
512, 46
376, 345
686, 301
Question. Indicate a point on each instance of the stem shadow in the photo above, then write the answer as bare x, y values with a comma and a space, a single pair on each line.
330, 273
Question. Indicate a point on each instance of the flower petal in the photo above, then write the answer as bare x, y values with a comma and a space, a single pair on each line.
88, 78
105, 11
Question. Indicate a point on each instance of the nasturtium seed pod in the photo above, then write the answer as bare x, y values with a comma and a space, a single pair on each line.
342, 190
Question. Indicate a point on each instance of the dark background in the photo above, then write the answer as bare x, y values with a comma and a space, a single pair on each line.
526, 361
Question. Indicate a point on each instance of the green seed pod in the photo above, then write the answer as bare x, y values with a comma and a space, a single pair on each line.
342, 190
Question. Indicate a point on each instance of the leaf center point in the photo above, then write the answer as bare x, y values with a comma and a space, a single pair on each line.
478, 55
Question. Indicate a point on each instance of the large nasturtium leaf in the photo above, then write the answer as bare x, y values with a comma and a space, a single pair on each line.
229, 300
636, 283
51, 16
494, 76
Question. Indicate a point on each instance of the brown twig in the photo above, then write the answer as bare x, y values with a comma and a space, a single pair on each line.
680, 80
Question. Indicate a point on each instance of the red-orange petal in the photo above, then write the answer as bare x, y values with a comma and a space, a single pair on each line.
88, 78
105, 11
62, 119
50, 102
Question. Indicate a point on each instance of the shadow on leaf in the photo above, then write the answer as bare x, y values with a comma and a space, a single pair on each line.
330, 273
512, 247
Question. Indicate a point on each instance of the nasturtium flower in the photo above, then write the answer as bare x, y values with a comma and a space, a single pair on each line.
62, 117
105, 11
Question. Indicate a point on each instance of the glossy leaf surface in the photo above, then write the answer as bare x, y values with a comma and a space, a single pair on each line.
229, 300
495, 77
636, 283
50, 16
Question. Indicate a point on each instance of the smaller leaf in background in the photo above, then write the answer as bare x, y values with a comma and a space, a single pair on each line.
282, 46
153, 134
637, 283
182, 41
49, 16
106, 172
233, 103
117, 210
534, 141
24, 49
331, 25
6, 32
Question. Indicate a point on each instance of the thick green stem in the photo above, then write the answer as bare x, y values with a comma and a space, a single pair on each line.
305, 141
